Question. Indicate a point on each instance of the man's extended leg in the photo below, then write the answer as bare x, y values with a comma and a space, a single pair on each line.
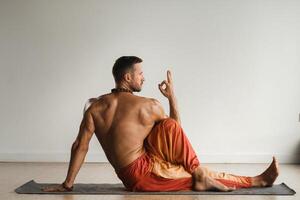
267, 178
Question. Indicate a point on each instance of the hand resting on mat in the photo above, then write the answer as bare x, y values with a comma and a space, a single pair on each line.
58, 188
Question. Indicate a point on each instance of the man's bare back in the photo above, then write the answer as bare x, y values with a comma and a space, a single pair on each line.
122, 122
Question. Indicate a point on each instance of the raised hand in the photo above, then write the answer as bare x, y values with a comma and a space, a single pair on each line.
166, 86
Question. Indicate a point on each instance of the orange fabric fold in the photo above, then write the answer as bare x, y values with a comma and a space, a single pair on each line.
167, 164
229, 180
137, 176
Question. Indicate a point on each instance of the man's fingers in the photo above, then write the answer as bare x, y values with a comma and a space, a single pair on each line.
49, 189
164, 82
53, 189
45, 189
160, 88
163, 87
169, 76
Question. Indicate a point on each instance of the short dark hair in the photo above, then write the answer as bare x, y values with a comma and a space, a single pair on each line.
123, 65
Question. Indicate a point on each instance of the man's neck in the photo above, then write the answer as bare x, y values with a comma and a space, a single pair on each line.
122, 88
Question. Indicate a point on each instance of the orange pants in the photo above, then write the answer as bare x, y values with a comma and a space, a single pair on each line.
169, 162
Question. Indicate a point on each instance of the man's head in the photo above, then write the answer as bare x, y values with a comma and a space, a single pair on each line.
127, 70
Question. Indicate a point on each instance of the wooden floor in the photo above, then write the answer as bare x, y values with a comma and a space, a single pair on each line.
12, 175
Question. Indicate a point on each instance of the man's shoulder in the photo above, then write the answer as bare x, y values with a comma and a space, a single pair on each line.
155, 108
154, 101
148, 100
152, 107
93, 102
152, 104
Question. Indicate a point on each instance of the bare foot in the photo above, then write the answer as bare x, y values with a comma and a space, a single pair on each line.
268, 177
202, 182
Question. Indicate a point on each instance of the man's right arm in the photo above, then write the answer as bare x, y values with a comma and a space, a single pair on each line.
168, 92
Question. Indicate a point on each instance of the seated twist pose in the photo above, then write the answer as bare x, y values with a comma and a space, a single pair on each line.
148, 150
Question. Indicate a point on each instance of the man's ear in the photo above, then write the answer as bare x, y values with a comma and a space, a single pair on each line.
127, 77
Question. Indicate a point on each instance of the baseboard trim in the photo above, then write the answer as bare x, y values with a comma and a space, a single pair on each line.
203, 158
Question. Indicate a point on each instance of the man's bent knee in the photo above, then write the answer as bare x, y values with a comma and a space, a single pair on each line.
170, 123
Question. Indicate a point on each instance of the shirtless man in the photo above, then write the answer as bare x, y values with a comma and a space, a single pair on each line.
122, 123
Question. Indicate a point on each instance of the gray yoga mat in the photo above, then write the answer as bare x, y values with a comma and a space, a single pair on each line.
31, 187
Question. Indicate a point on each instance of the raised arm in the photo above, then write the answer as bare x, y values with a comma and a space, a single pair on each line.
78, 152
166, 88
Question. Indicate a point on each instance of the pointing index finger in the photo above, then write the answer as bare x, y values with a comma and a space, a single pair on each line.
169, 76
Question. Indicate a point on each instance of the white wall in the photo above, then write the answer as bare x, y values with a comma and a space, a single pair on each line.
235, 64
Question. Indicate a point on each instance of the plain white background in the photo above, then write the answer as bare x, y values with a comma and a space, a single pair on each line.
235, 65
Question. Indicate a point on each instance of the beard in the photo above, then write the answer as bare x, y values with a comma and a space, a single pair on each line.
136, 88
